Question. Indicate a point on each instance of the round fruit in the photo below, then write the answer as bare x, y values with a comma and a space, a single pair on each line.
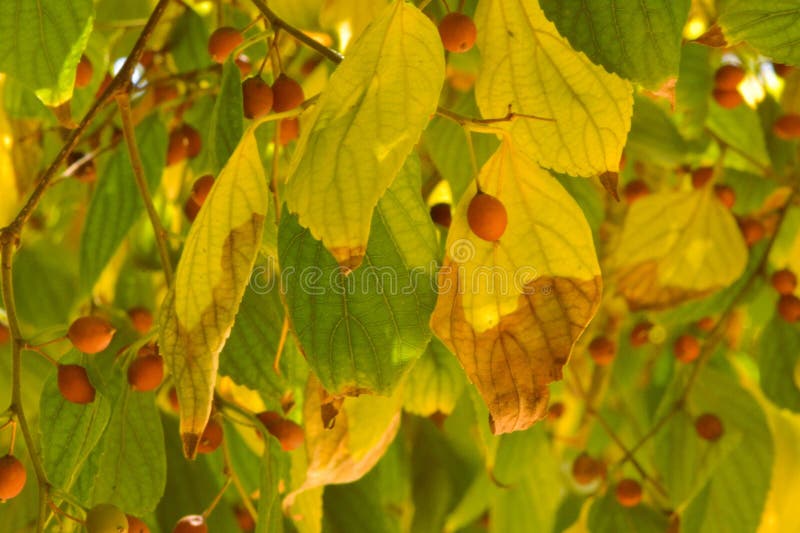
555, 411
12, 477
136, 526
789, 308
177, 149
706, 324
288, 94
222, 42
602, 350
687, 348
257, 97
752, 231
83, 74
91, 334
709, 427
586, 469
201, 188
165, 93
629, 493
190, 209
141, 318
289, 130
74, 384
728, 77
146, 373
5, 334
440, 213
192, 139
458, 32
487, 217
211, 437
701, 176
634, 190
191, 524
640, 334
727, 99
787, 127
244, 519
106, 518
725, 195
784, 281
288, 433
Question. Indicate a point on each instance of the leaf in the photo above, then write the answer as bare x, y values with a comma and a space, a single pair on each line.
654, 137
608, 516
741, 129
695, 83
274, 469
368, 119
527, 65
209, 284
356, 15
770, 27
435, 383
116, 203
640, 41
778, 357
512, 310
42, 44
677, 246
360, 332
226, 120
189, 42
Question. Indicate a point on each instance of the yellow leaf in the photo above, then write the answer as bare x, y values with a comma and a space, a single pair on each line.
529, 66
198, 312
512, 310
367, 121
677, 246
349, 17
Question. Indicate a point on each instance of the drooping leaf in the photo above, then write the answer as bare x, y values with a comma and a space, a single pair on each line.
778, 357
42, 44
770, 27
608, 516
274, 469
741, 129
361, 331
511, 310
210, 281
366, 122
189, 41
640, 41
654, 137
691, 247
226, 120
435, 383
528, 66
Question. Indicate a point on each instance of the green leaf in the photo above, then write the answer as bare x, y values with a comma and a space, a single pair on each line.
654, 137
608, 516
116, 203
435, 383
770, 27
778, 358
226, 120
369, 117
361, 331
42, 44
695, 83
210, 281
274, 469
189, 42
527, 65
741, 129
639, 40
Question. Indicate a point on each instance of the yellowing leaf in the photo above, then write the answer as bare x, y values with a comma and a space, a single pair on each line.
349, 17
367, 121
677, 246
198, 313
529, 66
512, 310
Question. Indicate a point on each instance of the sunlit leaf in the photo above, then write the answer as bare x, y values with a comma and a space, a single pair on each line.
350, 17
435, 383
778, 357
226, 121
608, 516
274, 468
770, 27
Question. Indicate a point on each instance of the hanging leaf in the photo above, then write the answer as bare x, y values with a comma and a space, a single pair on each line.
366, 123
226, 120
435, 383
770, 27
210, 280
778, 357
528, 66
514, 331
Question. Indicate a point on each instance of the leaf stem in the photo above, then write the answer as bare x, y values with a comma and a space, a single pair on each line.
237, 483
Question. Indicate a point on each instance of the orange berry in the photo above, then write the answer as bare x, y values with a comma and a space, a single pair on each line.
288, 94
83, 74
74, 384
190, 209
686, 348
458, 32
257, 97
555, 411
191, 524
602, 350
586, 469
784, 281
725, 195
222, 42
629, 493
211, 437
752, 231
172, 396
789, 308
146, 373
91, 334
244, 519
634, 190
727, 99
165, 93
141, 318
787, 127
194, 143
12, 477
177, 149
709, 427
5, 334
201, 188
440, 214
136, 526
487, 216
289, 130
706, 324
288, 433
728, 77
640, 333
701, 176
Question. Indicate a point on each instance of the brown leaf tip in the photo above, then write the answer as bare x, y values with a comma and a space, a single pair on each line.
191, 441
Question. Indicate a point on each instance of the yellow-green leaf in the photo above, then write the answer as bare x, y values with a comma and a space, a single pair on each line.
368, 119
676, 246
529, 66
210, 280
349, 18
512, 310
435, 383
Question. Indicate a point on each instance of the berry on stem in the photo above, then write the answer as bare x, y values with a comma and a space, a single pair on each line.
91, 334
789, 308
634, 190
709, 427
288, 433
74, 384
201, 188
458, 32
211, 437
752, 231
141, 318
106, 518
686, 348
555, 411
146, 373
222, 42
288, 94
602, 350
706, 324
288, 130
640, 334
784, 281
440, 214
787, 127
135, 525
487, 216
12, 477
257, 97
243, 519
728, 77
727, 99
725, 195
586, 469
701, 176
83, 74
629, 493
